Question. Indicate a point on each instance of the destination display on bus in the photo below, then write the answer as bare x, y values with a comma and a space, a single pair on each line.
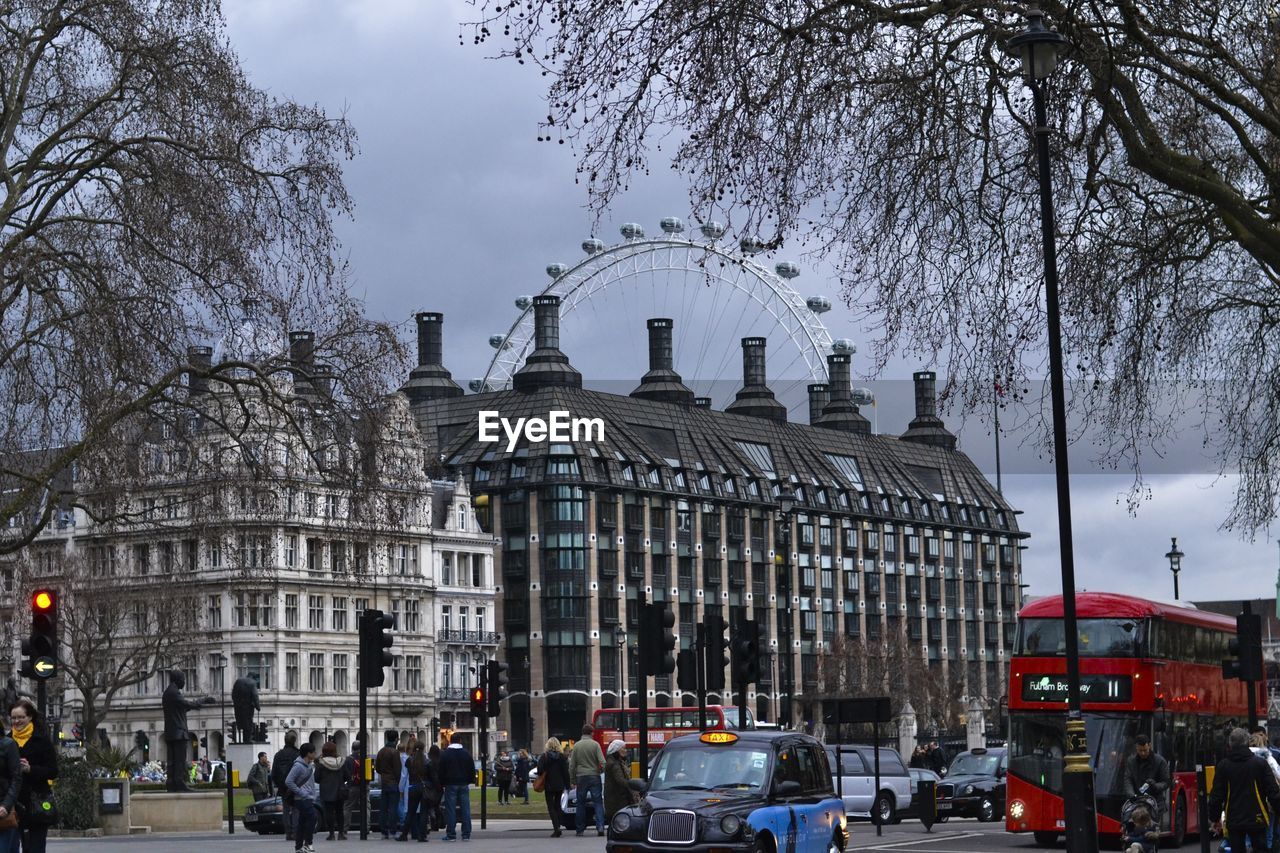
1093, 688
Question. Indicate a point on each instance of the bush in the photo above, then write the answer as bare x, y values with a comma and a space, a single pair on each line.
74, 794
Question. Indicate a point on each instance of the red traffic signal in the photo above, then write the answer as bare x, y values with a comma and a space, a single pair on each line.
479, 703
41, 648
44, 599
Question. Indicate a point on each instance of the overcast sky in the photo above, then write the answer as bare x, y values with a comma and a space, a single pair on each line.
459, 209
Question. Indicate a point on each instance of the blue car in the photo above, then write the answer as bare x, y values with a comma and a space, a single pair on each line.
764, 792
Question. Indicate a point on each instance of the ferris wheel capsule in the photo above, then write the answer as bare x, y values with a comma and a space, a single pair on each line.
593, 246
523, 302
556, 270
752, 245
843, 345
671, 225
498, 341
818, 304
863, 397
787, 269
476, 385
632, 230
712, 230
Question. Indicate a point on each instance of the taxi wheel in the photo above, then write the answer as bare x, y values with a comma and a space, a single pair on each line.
834, 846
765, 844
986, 810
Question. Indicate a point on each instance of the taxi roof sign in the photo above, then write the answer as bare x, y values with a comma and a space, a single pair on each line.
718, 737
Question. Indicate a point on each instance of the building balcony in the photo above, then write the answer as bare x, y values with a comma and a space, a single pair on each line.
453, 694
470, 638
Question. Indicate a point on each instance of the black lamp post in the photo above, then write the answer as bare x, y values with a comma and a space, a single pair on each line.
786, 503
1038, 47
1175, 564
620, 638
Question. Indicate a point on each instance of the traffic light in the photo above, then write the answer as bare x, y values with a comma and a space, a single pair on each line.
716, 643
1245, 649
143, 744
497, 685
41, 648
375, 644
479, 705
745, 651
262, 733
657, 640
687, 670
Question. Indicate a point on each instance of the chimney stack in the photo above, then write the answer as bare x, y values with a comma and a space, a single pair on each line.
819, 396
200, 358
429, 380
662, 382
546, 366
927, 427
840, 412
302, 360
755, 398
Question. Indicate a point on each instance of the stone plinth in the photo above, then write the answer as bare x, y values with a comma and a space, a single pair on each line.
114, 824
163, 811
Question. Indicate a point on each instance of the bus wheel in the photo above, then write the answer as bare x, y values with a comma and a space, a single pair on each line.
1046, 839
1179, 822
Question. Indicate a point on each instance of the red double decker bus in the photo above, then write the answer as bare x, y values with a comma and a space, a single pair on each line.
664, 724
1145, 668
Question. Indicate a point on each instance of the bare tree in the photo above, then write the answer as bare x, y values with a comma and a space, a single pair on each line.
893, 667
153, 199
897, 137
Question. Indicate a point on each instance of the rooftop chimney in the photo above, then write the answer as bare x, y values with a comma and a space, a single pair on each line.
546, 365
200, 358
841, 413
429, 380
819, 396
755, 398
927, 427
662, 382
302, 360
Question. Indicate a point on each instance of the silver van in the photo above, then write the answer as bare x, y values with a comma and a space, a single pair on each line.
856, 782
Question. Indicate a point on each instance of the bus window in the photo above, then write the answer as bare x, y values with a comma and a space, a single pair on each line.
606, 720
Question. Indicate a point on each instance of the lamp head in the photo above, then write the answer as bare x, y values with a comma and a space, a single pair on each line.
786, 501
1037, 46
1174, 557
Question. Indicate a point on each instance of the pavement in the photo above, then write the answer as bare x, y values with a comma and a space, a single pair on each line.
533, 836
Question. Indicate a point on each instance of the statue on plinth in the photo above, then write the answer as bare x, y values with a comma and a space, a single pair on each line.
176, 735
244, 696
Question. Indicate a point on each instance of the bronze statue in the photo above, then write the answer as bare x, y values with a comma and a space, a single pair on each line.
244, 697
176, 735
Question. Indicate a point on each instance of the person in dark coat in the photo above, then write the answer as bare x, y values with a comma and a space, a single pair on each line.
937, 759
1244, 794
38, 765
553, 767
415, 817
617, 780
332, 791
523, 766
457, 769
10, 787
352, 770
503, 773
1146, 768
432, 794
281, 764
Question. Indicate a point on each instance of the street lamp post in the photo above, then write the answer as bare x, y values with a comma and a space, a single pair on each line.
620, 639
1175, 564
1038, 48
222, 688
786, 503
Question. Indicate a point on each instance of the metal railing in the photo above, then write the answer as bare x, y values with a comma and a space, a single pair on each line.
457, 635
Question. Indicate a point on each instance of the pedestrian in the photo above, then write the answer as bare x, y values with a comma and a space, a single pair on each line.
553, 776
38, 766
457, 769
617, 780
301, 783
329, 780
503, 772
1244, 787
937, 759
586, 763
523, 764
1146, 773
352, 774
432, 794
1259, 747
1141, 834
10, 789
919, 757
404, 750
387, 766
281, 764
260, 778
417, 769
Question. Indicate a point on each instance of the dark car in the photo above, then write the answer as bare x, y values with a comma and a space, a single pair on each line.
975, 785
266, 817
741, 791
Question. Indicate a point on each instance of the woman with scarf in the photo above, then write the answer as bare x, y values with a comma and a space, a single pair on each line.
553, 769
38, 764
10, 785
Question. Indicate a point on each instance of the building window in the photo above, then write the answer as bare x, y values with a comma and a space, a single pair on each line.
315, 612
446, 617
339, 614
142, 559
362, 604
446, 670
477, 570
397, 672
340, 683
291, 672
291, 612
411, 616
291, 551
413, 673
446, 569
315, 674
256, 664
215, 611
338, 556
215, 553
402, 559
480, 620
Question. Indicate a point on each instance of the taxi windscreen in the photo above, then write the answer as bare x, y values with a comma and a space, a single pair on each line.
702, 768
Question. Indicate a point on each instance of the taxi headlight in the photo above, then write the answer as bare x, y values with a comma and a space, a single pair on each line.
1017, 809
968, 789
621, 822
730, 824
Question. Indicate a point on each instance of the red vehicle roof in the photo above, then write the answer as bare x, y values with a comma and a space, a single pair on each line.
1104, 605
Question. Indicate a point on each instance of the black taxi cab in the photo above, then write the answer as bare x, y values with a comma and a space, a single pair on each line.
721, 791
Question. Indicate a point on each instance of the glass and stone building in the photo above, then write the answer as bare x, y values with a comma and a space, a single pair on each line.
893, 538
